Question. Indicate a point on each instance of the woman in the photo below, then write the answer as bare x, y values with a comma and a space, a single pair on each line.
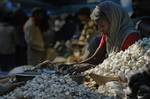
117, 30
34, 30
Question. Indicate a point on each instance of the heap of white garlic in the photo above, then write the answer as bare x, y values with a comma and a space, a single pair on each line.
119, 64
112, 88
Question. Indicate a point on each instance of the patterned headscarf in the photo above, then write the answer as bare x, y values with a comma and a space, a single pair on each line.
120, 24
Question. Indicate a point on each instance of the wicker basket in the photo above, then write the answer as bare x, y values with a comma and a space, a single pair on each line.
100, 80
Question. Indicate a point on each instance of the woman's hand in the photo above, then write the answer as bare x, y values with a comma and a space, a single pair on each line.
78, 68
74, 68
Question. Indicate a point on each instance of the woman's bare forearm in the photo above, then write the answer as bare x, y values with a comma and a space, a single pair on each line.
97, 57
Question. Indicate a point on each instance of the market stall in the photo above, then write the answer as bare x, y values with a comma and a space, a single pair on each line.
108, 80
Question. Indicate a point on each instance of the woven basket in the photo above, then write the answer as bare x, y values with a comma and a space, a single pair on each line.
101, 80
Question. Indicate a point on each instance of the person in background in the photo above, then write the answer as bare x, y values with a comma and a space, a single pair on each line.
89, 29
67, 30
34, 30
140, 8
141, 16
7, 42
89, 33
21, 47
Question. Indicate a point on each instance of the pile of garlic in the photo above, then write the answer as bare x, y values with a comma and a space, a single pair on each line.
119, 64
112, 88
53, 86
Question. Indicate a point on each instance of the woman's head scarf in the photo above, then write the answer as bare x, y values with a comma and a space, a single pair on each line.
120, 24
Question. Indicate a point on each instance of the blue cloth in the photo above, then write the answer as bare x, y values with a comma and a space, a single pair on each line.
3, 74
116, 1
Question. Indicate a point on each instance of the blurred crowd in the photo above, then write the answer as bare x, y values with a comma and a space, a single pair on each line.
29, 40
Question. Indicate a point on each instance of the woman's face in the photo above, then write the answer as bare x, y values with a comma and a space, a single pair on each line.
103, 26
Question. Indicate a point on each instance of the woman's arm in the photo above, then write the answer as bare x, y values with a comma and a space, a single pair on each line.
97, 57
